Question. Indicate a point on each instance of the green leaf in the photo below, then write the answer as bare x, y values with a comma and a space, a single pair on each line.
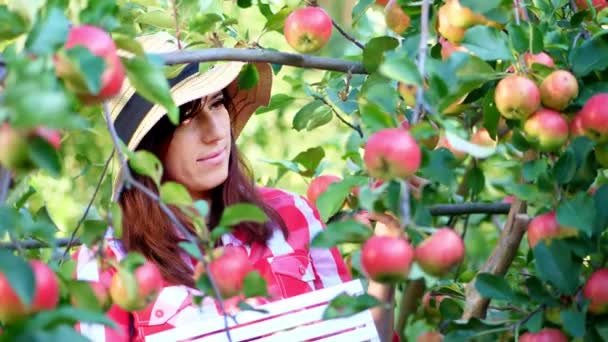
45, 156
277, 101
242, 212
440, 166
254, 285
493, 287
67, 315
310, 160
578, 212
554, 265
156, 18
360, 8
487, 42
565, 167
19, 275
244, 3
600, 197
202, 207
82, 292
332, 200
491, 115
344, 305
101, 13
49, 33
116, 212
602, 330
146, 163
248, 77
535, 323
277, 21
374, 117
537, 291
349, 231
373, 54
191, 249
12, 24
58, 333
204, 22
400, 67
590, 56
518, 36
312, 115
533, 169
449, 309
89, 66
93, 231
150, 82
129, 44
175, 193
574, 322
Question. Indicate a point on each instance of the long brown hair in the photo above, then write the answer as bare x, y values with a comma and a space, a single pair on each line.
147, 230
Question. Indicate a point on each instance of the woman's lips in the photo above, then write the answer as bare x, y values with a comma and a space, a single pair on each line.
213, 158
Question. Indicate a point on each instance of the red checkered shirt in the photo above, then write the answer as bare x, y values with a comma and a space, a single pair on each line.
289, 266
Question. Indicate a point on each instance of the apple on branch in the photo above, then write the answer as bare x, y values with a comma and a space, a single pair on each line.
396, 19
228, 270
319, 185
545, 227
308, 29
387, 258
547, 130
134, 291
594, 117
440, 252
517, 97
596, 290
558, 89
392, 153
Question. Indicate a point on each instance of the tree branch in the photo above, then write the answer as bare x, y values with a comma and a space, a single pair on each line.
5, 183
437, 210
500, 260
258, 55
356, 128
422, 51
409, 304
347, 36
88, 208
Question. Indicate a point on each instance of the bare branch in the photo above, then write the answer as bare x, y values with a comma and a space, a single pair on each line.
409, 303
347, 36
344, 121
258, 55
88, 208
500, 260
5, 183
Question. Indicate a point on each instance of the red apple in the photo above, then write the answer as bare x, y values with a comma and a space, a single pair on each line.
547, 130
229, 270
51, 136
558, 89
308, 29
595, 117
545, 335
576, 126
387, 258
392, 153
539, 58
46, 294
546, 227
598, 4
447, 48
135, 291
438, 253
319, 185
13, 148
396, 19
596, 290
430, 336
99, 43
517, 97
382, 2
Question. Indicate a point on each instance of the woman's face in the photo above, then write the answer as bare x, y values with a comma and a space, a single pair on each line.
198, 152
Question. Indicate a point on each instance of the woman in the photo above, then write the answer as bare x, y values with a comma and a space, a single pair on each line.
201, 154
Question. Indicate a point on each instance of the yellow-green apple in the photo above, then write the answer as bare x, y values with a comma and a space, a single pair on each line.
594, 116
517, 97
308, 29
447, 48
392, 153
396, 19
461, 16
482, 137
387, 258
596, 290
408, 93
558, 89
450, 32
13, 148
545, 227
440, 252
547, 130
135, 291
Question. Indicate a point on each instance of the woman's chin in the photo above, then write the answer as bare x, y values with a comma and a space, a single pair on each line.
208, 181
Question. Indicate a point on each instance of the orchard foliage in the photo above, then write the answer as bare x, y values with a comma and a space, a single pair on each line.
503, 101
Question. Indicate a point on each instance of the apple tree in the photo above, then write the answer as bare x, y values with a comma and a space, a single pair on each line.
456, 150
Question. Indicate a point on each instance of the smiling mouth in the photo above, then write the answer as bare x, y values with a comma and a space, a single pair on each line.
212, 156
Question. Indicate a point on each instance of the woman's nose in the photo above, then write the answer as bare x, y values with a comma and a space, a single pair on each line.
211, 127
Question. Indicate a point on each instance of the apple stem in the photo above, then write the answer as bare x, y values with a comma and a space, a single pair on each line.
127, 177
87, 209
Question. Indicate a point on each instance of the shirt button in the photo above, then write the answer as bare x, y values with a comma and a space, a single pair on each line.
302, 270
159, 313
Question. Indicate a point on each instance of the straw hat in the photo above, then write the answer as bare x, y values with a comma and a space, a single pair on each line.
133, 116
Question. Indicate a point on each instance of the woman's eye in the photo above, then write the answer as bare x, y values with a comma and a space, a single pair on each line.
217, 103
